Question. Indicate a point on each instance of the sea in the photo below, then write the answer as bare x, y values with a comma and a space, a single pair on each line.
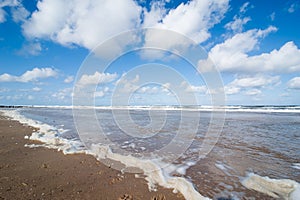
231, 152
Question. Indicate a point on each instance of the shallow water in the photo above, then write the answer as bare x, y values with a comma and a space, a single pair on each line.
252, 141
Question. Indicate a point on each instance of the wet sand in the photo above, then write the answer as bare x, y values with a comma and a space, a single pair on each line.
40, 173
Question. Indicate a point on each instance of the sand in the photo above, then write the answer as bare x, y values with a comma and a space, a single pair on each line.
40, 173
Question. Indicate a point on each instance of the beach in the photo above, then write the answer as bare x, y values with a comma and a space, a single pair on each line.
44, 156
42, 173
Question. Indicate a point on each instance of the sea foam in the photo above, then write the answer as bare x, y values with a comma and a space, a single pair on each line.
278, 188
155, 173
49, 135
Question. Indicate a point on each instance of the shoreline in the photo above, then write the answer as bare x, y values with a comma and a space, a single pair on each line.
42, 173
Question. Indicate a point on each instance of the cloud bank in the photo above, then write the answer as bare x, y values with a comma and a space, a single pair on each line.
87, 23
29, 76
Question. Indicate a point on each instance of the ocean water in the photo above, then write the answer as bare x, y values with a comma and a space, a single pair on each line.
256, 156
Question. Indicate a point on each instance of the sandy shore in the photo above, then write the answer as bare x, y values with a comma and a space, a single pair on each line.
41, 173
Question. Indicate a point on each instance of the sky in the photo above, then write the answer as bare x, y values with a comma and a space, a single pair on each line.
45, 45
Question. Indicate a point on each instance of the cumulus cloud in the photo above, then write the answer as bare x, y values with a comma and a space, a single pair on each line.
294, 83
232, 54
255, 81
3, 4
69, 79
63, 94
251, 84
101, 92
153, 89
83, 23
231, 89
29, 76
96, 78
149, 90
127, 85
19, 13
36, 89
237, 24
200, 15
88, 23
192, 88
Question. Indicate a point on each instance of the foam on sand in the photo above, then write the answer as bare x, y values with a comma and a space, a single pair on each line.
50, 136
277, 188
153, 170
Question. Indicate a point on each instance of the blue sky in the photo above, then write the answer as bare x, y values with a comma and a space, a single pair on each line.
255, 46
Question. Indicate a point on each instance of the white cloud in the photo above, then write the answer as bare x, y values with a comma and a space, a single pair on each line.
253, 92
255, 81
293, 7
157, 13
87, 23
69, 79
19, 13
4, 3
294, 83
36, 89
193, 88
84, 23
166, 85
251, 84
231, 89
30, 97
101, 92
31, 75
237, 24
2, 15
166, 88
201, 15
63, 94
276, 60
148, 90
30, 49
96, 78
244, 7
127, 85
272, 16
232, 54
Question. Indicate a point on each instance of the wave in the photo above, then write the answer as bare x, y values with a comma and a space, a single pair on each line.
258, 109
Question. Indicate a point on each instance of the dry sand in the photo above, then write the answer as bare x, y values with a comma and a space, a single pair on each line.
41, 173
